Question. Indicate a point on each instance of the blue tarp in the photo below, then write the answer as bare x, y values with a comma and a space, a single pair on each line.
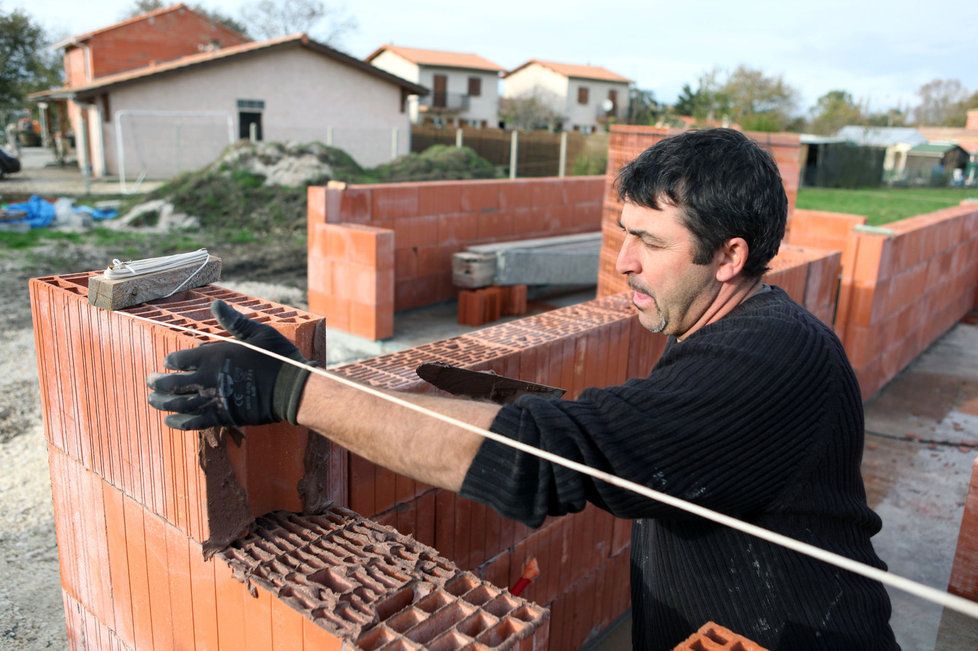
97, 214
41, 214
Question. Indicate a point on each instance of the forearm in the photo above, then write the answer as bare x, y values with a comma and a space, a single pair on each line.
398, 438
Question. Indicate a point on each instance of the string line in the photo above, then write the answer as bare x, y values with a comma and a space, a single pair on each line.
925, 592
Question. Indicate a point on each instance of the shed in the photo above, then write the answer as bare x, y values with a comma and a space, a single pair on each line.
834, 162
934, 163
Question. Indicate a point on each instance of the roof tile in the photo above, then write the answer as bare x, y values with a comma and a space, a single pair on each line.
598, 73
438, 58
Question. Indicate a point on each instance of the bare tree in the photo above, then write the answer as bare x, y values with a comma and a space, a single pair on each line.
531, 111
145, 6
942, 103
269, 18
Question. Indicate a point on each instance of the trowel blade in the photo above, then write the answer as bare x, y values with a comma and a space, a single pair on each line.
482, 385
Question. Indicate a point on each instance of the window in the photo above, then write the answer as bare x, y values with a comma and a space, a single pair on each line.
582, 94
106, 113
613, 96
251, 104
475, 86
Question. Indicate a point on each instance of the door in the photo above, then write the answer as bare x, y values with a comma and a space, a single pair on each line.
245, 120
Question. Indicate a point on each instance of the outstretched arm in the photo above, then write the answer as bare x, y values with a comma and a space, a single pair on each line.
228, 384
395, 437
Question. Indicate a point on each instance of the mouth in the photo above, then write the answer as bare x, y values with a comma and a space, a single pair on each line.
640, 297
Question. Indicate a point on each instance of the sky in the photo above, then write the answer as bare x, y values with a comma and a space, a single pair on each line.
879, 51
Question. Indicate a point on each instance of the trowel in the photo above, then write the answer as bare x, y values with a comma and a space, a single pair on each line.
482, 385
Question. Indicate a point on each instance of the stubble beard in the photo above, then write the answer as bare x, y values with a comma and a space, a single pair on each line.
661, 325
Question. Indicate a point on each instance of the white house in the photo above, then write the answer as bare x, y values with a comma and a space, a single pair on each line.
166, 118
465, 87
586, 96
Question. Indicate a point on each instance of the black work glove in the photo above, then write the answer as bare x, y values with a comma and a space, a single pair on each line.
228, 384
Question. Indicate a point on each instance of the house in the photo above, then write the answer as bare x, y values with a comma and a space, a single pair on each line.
897, 141
156, 36
585, 96
163, 118
465, 86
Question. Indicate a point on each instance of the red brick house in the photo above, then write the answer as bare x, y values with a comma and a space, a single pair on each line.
147, 39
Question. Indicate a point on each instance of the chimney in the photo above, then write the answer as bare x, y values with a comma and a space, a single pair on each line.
972, 123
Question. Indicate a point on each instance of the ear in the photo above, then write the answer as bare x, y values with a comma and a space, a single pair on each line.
731, 258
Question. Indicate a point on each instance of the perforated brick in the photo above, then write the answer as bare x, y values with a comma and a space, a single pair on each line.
369, 585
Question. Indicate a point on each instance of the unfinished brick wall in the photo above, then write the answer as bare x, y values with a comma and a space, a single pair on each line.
821, 229
138, 506
903, 288
433, 220
629, 141
583, 558
354, 268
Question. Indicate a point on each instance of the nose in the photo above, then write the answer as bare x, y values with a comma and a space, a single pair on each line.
627, 261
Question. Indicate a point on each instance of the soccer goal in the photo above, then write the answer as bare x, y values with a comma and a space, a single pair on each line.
161, 144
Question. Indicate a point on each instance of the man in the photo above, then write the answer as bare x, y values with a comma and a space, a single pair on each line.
753, 410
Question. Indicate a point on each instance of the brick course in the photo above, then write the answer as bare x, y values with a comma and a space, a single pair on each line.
904, 287
430, 222
132, 502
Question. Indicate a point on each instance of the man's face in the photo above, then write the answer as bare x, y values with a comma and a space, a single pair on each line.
670, 292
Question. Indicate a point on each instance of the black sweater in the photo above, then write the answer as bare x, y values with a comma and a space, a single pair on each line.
758, 416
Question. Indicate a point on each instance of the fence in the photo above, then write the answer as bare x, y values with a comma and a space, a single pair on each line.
161, 144
538, 153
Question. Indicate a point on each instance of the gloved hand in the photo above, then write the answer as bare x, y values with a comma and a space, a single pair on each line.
228, 384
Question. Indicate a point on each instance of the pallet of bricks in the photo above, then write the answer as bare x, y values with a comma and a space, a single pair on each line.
172, 539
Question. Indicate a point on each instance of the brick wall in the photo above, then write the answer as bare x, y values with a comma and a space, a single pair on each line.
627, 142
431, 221
163, 37
821, 229
903, 288
584, 557
138, 507
354, 268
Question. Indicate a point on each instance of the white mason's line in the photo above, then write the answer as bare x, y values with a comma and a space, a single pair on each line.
927, 593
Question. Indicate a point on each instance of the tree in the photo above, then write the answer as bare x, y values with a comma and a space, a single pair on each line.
26, 62
892, 117
643, 107
145, 6
708, 102
834, 110
532, 111
759, 102
269, 18
942, 104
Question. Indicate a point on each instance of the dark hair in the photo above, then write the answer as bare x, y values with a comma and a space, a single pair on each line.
725, 185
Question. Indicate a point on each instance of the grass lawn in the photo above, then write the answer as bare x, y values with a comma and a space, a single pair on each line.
883, 205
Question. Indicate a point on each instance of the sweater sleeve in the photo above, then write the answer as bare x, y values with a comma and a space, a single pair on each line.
724, 421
